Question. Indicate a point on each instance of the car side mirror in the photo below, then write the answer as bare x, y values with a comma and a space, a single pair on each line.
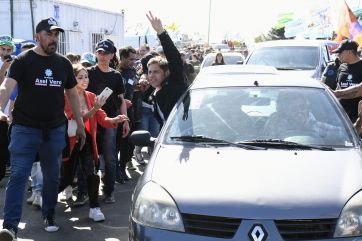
142, 138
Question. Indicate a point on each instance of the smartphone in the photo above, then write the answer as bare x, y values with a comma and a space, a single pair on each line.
8, 58
106, 92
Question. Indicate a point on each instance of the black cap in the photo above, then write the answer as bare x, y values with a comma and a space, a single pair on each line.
48, 25
346, 45
107, 46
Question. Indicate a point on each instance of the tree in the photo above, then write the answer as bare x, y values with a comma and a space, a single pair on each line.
274, 34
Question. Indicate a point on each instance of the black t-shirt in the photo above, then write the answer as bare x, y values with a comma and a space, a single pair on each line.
98, 80
350, 75
41, 81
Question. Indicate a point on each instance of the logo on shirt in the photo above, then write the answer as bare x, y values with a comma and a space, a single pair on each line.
349, 78
48, 80
48, 72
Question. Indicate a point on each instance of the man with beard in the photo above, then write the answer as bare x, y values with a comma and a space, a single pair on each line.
349, 78
39, 123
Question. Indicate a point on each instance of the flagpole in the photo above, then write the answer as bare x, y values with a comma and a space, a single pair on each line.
208, 32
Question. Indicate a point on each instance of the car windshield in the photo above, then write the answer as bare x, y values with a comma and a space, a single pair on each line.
306, 116
228, 59
286, 58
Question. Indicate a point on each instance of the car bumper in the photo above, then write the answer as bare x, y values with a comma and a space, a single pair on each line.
139, 232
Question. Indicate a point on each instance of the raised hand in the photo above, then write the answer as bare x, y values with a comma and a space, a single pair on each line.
155, 22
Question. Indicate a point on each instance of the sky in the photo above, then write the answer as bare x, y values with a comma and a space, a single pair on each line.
229, 19
242, 19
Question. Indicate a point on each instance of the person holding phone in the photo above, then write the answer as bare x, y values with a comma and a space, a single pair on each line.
87, 158
7, 46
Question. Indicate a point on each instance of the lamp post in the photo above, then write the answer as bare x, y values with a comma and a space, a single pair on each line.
208, 32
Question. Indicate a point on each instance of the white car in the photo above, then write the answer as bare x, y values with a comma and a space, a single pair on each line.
301, 57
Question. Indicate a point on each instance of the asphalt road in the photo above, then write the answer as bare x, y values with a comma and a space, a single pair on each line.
74, 222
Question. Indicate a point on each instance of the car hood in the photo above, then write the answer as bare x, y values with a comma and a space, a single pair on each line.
273, 184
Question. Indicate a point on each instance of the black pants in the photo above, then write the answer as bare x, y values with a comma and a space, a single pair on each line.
84, 158
4, 143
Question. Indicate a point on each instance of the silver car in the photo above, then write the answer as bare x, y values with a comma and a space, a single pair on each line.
251, 157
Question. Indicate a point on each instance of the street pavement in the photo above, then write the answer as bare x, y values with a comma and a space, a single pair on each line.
74, 222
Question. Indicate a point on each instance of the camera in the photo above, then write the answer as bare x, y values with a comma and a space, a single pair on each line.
8, 58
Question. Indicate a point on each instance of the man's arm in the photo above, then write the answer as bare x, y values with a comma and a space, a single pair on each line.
3, 70
6, 88
124, 112
171, 52
74, 104
350, 92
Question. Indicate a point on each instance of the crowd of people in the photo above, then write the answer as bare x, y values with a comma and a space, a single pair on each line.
66, 120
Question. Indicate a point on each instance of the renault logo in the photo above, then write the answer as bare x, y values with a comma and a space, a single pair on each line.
258, 233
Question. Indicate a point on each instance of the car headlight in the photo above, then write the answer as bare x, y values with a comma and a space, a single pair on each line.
154, 207
350, 222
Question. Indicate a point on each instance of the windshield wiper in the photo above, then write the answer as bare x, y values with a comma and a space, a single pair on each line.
209, 140
282, 143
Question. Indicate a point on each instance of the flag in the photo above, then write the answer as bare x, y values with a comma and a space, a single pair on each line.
173, 27
348, 25
283, 19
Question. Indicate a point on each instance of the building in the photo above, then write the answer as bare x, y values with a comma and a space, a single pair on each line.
84, 26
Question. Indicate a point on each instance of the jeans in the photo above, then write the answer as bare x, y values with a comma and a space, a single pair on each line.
36, 178
25, 143
149, 122
109, 142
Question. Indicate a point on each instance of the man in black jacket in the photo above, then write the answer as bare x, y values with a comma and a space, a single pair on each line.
166, 76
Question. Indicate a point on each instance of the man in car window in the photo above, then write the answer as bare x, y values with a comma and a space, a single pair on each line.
293, 117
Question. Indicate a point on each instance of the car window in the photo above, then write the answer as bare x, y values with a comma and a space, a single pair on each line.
228, 59
286, 57
303, 115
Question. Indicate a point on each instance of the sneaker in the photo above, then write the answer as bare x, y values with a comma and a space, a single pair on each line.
120, 180
68, 192
139, 158
96, 214
110, 199
50, 225
30, 200
130, 166
81, 200
38, 201
8, 235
